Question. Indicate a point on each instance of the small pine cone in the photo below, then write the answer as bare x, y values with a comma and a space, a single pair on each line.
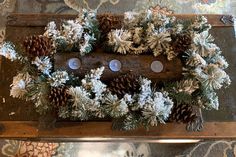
182, 113
197, 124
124, 84
38, 45
181, 42
107, 22
59, 96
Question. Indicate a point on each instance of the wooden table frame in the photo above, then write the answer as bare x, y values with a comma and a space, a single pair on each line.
101, 131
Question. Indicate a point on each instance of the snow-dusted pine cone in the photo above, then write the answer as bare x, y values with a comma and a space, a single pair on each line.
124, 84
107, 22
181, 42
58, 96
182, 113
38, 45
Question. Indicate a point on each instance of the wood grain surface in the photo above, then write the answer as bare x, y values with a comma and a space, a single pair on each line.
101, 131
138, 64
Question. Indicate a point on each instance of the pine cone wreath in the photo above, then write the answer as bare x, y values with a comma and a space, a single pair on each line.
182, 113
181, 42
124, 84
59, 96
38, 45
107, 22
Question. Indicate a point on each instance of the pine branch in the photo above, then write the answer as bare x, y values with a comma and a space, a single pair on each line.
128, 122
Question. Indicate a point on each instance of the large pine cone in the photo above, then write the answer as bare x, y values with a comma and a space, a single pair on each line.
38, 45
181, 42
107, 22
124, 84
182, 113
59, 96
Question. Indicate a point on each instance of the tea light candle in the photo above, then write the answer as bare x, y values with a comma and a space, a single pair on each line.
157, 66
74, 63
115, 65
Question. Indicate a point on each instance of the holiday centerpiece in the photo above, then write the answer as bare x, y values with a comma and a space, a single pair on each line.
129, 100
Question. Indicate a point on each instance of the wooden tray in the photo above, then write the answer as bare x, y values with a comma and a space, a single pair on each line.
24, 123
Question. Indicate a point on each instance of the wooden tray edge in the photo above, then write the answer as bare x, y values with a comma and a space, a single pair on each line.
101, 131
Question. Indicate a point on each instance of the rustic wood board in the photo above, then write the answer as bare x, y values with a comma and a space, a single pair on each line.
23, 124
42, 20
101, 131
140, 65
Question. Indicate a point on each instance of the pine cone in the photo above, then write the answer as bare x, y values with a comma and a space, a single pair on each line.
58, 96
38, 45
197, 123
124, 84
181, 42
107, 22
182, 113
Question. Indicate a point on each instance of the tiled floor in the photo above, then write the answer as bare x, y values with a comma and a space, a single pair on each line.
26, 148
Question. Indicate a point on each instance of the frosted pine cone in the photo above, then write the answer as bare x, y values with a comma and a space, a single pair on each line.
107, 22
59, 96
124, 84
38, 45
182, 113
182, 42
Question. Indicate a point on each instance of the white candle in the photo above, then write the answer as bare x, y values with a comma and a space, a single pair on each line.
115, 65
74, 63
157, 66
